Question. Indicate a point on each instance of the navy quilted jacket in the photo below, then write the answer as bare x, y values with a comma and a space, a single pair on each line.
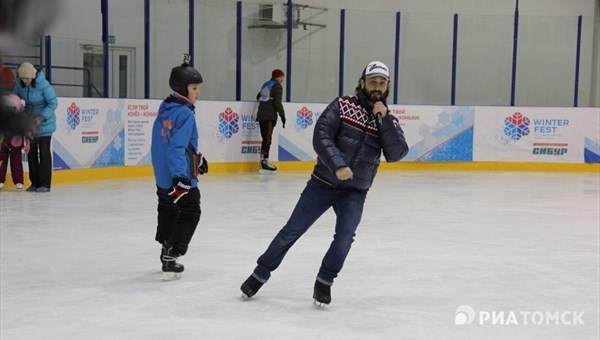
348, 134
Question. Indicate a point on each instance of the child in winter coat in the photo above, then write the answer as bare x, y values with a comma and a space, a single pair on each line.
12, 146
176, 162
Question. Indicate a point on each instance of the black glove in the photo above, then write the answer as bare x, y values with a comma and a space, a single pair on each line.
283, 121
181, 187
202, 164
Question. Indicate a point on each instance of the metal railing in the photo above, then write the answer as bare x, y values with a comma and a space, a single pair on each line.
88, 84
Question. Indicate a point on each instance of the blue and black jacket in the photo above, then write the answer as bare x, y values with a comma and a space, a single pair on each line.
348, 134
175, 142
269, 99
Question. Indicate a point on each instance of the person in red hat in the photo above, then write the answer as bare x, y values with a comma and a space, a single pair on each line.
269, 106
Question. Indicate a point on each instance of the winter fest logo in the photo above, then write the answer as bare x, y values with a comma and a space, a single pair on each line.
228, 123
73, 116
516, 126
304, 118
466, 315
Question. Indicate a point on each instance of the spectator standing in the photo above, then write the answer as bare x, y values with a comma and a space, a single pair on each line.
40, 99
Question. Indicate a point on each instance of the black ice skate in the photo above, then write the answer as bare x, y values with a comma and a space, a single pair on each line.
250, 287
170, 268
163, 252
267, 167
321, 294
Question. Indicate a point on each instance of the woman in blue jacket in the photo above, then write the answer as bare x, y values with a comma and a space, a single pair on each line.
40, 99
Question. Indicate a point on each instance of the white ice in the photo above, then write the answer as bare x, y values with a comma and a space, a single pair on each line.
81, 262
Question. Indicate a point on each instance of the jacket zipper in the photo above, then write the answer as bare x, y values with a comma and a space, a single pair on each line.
362, 140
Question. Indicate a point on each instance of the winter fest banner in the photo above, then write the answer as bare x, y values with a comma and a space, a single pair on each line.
433, 133
89, 133
229, 132
139, 116
295, 141
536, 134
97, 132
437, 133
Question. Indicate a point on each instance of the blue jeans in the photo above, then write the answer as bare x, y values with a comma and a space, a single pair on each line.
314, 201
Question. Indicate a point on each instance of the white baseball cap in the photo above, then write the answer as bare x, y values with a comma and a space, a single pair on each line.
377, 69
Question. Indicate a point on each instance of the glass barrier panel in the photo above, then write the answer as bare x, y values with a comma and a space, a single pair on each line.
168, 41
546, 61
370, 35
425, 59
484, 60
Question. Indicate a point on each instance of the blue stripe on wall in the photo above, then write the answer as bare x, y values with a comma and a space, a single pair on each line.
288, 151
459, 148
61, 158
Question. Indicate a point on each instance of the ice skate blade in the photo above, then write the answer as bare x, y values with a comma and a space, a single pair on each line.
267, 172
246, 297
319, 305
170, 276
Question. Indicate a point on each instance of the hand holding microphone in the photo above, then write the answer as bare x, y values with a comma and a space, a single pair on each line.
380, 110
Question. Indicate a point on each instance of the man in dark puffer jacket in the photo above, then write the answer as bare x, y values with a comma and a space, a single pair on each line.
349, 137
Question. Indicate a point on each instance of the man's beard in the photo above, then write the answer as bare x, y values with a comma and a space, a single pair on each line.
376, 95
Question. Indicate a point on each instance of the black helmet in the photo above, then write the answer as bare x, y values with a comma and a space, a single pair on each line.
183, 75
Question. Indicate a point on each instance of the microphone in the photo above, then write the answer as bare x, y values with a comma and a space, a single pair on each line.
379, 118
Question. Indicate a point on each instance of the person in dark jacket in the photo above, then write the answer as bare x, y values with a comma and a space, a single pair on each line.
176, 163
269, 106
349, 137
40, 99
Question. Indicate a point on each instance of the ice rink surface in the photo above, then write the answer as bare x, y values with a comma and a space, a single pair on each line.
81, 262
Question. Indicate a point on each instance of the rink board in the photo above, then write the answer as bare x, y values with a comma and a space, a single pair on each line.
116, 133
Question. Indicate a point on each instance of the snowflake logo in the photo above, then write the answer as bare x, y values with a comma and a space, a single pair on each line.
73, 116
304, 118
516, 126
228, 123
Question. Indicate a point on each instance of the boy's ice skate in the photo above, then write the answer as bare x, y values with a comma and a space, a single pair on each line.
163, 252
170, 268
250, 287
321, 294
266, 167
